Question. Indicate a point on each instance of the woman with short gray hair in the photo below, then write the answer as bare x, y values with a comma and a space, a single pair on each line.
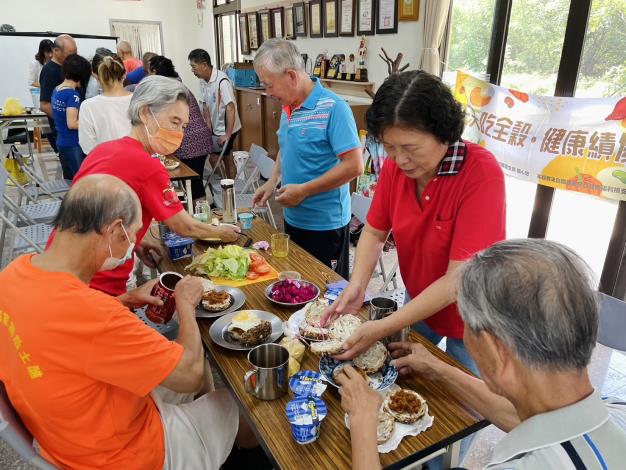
158, 113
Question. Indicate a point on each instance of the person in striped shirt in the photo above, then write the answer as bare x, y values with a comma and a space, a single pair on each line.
531, 316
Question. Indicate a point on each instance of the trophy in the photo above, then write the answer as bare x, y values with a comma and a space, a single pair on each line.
334, 69
361, 71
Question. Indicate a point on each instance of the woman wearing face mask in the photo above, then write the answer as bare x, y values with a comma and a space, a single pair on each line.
158, 113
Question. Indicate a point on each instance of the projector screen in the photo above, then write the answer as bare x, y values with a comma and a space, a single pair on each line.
18, 51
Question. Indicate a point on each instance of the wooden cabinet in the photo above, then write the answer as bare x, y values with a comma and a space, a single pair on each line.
272, 112
250, 109
260, 119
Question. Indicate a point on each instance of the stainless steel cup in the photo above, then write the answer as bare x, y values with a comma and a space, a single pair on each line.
267, 378
381, 307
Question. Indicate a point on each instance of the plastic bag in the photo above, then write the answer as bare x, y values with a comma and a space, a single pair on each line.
13, 107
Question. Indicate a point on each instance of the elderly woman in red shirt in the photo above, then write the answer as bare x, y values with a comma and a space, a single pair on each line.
443, 198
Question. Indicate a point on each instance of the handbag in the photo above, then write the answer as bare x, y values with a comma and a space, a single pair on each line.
13, 168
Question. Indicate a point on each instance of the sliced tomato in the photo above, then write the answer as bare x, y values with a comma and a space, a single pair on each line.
254, 264
262, 269
254, 257
251, 275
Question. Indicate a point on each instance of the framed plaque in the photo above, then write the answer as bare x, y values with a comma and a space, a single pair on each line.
278, 25
289, 23
409, 10
330, 18
315, 16
300, 19
253, 31
365, 17
387, 17
264, 26
244, 37
346, 17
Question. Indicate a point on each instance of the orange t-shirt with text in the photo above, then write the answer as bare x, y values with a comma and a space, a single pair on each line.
78, 367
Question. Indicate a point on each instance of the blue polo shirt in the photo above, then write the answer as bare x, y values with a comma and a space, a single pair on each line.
312, 139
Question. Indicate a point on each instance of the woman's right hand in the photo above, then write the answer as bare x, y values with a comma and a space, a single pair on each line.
350, 301
262, 194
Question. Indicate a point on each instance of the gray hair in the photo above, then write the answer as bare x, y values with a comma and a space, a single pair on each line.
278, 55
537, 297
94, 202
156, 92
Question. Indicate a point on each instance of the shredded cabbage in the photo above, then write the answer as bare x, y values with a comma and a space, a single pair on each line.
229, 262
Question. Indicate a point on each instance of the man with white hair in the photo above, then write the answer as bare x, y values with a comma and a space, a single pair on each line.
320, 153
531, 318
51, 76
125, 51
95, 386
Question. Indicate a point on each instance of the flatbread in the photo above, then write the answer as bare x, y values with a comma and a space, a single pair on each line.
385, 428
405, 417
344, 327
372, 360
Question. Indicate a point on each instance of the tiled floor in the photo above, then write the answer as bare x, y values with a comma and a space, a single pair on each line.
607, 371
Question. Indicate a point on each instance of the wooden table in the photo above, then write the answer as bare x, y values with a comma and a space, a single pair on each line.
452, 421
183, 173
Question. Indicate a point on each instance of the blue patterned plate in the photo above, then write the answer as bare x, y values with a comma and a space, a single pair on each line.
378, 381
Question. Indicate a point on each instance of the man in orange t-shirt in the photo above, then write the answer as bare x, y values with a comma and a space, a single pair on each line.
82, 370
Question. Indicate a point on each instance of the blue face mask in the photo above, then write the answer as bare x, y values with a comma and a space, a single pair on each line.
111, 262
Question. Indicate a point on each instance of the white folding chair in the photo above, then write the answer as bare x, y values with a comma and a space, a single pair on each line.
14, 433
27, 237
264, 166
612, 322
360, 208
38, 188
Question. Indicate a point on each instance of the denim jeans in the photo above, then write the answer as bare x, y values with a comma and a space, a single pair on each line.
71, 158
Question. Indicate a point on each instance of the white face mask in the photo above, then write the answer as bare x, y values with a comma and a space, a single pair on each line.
111, 262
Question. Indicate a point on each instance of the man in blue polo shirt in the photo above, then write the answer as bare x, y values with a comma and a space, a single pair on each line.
320, 154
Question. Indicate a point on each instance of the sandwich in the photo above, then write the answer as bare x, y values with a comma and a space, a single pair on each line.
327, 348
338, 332
248, 329
339, 369
216, 300
343, 327
385, 428
372, 360
310, 328
406, 406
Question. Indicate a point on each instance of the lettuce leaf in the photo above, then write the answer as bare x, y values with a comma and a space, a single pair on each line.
229, 262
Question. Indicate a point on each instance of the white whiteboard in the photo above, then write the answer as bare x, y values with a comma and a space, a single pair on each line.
18, 51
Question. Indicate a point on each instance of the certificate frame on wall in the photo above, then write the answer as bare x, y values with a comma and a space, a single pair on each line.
365, 17
300, 20
316, 15
346, 17
289, 23
265, 29
253, 31
387, 17
277, 22
408, 10
331, 16
244, 33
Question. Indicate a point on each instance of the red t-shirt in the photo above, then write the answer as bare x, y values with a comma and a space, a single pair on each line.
127, 159
460, 215
132, 63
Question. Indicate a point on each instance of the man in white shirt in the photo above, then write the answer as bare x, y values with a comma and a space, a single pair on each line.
531, 323
218, 104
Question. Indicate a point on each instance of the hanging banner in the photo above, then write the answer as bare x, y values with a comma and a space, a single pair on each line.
575, 144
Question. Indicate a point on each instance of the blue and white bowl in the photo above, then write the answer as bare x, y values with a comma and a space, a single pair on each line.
378, 381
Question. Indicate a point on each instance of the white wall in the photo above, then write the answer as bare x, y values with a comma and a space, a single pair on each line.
408, 41
181, 32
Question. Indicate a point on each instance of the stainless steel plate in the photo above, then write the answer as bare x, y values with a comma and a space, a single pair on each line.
238, 299
220, 335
